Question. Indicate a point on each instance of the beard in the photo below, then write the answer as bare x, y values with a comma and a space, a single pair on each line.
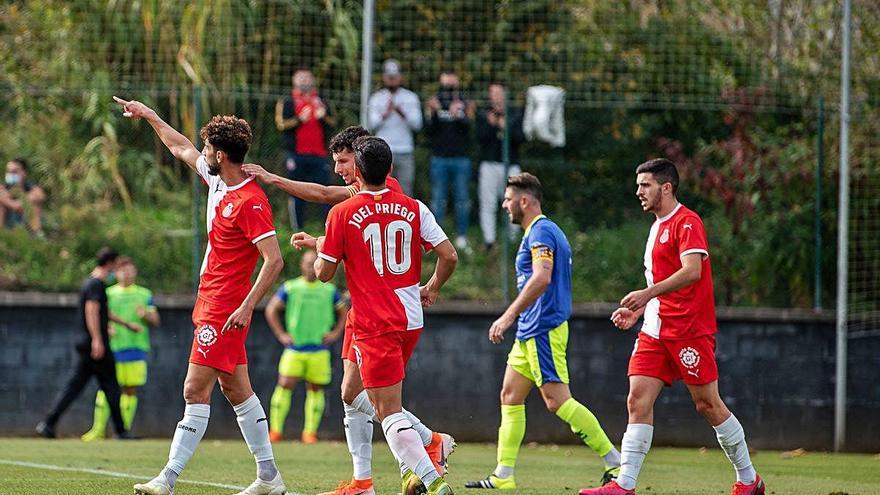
213, 169
516, 216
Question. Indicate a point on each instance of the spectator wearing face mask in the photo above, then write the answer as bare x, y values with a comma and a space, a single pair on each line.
395, 115
21, 199
449, 125
304, 120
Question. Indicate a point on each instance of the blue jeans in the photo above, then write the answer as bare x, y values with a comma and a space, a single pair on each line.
305, 168
458, 168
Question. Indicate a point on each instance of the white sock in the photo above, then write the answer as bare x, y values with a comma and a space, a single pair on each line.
408, 447
359, 435
255, 430
733, 440
612, 458
187, 436
362, 403
634, 447
424, 432
503, 471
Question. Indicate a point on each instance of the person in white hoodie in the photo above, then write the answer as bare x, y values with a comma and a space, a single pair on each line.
396, 115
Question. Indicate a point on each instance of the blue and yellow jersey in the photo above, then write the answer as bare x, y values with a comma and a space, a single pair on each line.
544, 240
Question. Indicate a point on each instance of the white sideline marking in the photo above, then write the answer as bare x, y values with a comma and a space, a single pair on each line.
116, 474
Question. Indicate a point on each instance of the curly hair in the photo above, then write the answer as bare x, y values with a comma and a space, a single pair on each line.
229, 134
344, 140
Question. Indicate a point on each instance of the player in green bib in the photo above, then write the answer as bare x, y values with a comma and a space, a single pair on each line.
314, 317
129, 342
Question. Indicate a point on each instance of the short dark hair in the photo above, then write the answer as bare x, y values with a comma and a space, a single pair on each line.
105, 256
373, 159
663, 171
229, 134
344, 140
22, 162
527, 183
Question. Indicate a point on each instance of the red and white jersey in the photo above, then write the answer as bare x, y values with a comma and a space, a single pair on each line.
687, 312
379, 236
238, 217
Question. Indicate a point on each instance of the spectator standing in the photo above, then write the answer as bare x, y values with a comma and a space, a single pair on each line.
493, 179
303, 119
93, 356
21, 195
395, 115
449, 125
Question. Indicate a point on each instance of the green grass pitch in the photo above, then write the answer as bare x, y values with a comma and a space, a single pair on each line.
112, 467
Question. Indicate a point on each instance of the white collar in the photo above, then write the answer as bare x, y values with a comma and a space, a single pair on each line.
375, 193
670, 214
239, 185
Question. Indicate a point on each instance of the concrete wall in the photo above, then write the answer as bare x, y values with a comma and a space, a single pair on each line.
777, 371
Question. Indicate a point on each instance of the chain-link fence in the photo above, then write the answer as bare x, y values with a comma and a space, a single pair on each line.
729, 90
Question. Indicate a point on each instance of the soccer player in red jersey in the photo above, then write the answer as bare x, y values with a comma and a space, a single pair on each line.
677, 338
379, 235
240, 230
359, 412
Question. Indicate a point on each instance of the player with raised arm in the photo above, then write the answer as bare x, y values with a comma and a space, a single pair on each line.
538, 357
359, 412
677, 338
379, 235
240, 230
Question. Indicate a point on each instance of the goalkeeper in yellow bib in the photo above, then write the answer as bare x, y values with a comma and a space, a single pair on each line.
314, 317
130, 343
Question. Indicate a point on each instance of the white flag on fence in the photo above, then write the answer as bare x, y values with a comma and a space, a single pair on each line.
545, 115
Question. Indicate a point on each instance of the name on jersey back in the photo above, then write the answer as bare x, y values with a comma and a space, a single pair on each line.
366, 211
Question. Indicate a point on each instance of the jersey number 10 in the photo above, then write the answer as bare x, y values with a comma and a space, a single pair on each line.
396, 253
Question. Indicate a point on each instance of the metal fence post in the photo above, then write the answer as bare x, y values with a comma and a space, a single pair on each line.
842, 239
366, 58
504, 230
817, 221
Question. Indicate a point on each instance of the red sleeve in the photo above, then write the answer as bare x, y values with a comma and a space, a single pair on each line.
334, 236
255, 219
691, 236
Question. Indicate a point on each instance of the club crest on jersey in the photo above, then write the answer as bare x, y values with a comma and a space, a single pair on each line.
664, 237
690, 357
227, 211
206, 335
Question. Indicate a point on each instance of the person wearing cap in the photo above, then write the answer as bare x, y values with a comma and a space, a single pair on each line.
395, 115
93, 356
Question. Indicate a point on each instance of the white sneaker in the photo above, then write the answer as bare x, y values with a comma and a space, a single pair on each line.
260, 487
153, 487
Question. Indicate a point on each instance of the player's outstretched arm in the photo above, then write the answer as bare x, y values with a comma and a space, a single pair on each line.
179, 146
447, 259
272, 265
306, 191
542, 274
